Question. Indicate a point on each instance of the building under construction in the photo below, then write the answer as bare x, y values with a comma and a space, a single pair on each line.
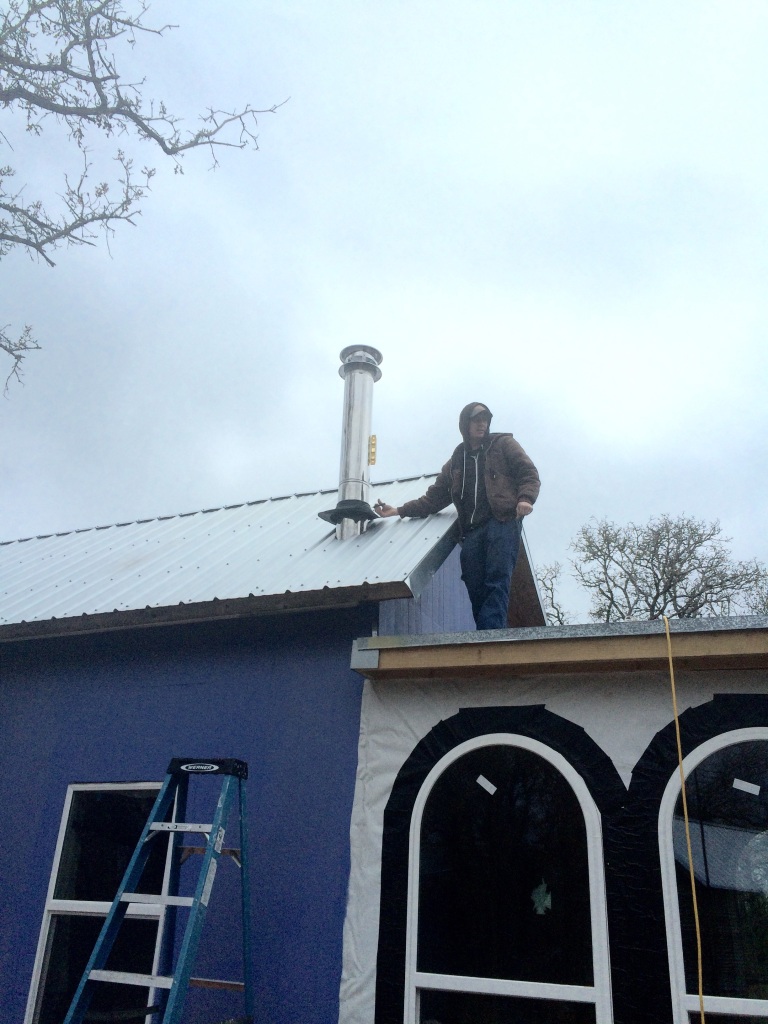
446, 825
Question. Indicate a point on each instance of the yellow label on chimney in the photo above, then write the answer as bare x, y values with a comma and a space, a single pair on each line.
372, 450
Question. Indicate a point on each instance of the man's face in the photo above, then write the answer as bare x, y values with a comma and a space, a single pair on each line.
478, 428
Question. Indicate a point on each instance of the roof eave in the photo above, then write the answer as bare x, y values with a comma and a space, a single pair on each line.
208, 611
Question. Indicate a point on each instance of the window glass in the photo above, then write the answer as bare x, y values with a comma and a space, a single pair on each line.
467, 1008
724, 1018
71, 939
98, 837
103, 828
728, 812
503, 876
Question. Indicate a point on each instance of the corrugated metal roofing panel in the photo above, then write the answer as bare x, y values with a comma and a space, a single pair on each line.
256, 549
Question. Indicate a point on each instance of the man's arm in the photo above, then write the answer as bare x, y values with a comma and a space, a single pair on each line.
524, 473
437, 497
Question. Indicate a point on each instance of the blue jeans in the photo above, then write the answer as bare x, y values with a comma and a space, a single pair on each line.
488, 558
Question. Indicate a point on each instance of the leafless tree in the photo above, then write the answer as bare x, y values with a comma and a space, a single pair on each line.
548, 578
675, 566
756, 602
58, 60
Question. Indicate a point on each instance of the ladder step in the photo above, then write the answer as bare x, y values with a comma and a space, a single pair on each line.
179, 826
228, 851
127, 978
165, 901
121, 1016
230, 986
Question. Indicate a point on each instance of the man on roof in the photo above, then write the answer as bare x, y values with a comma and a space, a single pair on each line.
493, 485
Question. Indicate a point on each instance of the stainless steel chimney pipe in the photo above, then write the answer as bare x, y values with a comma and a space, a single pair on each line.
360, 370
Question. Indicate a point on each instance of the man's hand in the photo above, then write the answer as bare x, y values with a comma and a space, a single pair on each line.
524, 508
384, 510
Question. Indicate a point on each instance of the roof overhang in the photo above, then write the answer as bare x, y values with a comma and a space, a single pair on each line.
208, 611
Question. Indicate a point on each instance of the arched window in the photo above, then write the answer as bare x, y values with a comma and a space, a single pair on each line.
727, 797
506, 893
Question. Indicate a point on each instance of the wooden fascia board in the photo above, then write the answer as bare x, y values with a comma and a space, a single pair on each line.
742, 649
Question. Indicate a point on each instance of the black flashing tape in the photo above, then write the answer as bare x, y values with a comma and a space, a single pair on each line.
636, 919
635, 900
534, 722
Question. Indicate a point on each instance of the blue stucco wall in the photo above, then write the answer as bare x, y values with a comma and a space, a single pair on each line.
113, 708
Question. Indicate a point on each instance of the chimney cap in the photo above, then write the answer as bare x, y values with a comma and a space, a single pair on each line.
360, 357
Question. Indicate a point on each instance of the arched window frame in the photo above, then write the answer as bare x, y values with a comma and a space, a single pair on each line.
683, 1002
599, 993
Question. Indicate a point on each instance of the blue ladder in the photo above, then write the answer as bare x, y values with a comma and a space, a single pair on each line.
171, 984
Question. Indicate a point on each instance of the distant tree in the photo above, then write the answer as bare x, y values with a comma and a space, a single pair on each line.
675, 566
57, 61
548, 578
756, 602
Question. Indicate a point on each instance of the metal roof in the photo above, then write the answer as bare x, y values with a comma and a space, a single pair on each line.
257, 550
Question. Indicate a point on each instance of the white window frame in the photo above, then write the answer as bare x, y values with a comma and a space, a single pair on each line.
684, 1003
88, 908
599, 993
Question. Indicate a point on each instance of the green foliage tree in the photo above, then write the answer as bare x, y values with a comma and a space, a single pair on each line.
675, 566
58, 60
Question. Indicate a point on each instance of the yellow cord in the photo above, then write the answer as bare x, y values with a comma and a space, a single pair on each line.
687, 826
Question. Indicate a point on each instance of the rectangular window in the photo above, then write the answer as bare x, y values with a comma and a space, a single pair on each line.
100, 827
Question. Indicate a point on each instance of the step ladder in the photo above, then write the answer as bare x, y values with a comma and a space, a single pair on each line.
167, 817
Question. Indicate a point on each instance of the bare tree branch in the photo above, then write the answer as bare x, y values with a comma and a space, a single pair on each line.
756, 602
58, 59
17, 349
548, 578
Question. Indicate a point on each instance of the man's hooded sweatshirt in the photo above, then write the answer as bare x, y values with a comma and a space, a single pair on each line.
485, 483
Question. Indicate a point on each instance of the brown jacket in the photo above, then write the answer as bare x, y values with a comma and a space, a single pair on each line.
510, 476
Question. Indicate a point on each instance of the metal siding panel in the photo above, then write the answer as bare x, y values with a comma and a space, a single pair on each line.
442, 607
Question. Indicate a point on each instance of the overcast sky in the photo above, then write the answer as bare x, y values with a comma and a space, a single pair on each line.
557, 208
